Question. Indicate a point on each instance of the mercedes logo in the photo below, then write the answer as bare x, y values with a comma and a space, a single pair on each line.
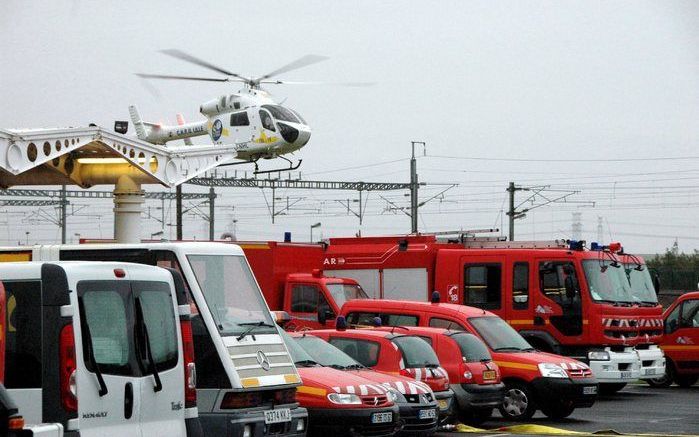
262, 360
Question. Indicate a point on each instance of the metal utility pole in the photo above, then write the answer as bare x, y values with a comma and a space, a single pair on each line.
414, 187
178, 203
212, 197
64, 215
511, 213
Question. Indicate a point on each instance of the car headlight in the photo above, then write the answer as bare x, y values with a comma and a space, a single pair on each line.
392, 395
344, 399
598, 355
551, 370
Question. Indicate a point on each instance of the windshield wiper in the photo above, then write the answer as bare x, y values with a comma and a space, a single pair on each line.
507, 348
91, 352
306, 363
149, 350
252, 326
354, 367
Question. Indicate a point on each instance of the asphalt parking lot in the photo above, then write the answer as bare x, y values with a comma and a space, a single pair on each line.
637, 409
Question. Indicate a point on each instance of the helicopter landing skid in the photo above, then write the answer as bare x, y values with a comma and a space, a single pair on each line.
291, 167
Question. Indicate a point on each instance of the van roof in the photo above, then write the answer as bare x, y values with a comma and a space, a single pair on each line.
192, 247
23, 269
425, 307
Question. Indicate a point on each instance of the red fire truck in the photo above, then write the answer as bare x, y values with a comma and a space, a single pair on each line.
291, 281
597, 305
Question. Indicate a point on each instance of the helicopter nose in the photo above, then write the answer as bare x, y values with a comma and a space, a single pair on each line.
304, 136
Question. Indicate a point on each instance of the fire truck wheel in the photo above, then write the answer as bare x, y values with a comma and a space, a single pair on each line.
558, 411
686, 380
519, 402
476, 416
610, 389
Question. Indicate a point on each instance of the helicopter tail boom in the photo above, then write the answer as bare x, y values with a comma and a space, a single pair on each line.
161, 134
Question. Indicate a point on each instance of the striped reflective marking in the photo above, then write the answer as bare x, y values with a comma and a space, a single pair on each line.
20, 256
250, 382
292, 379
362, 389
521, 322
680, 348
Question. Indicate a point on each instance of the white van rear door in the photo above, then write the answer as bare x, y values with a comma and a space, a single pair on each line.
159, 345
108, 391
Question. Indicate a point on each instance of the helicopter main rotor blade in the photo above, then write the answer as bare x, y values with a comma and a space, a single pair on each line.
300, 62
167, 76
179, 54
287, 82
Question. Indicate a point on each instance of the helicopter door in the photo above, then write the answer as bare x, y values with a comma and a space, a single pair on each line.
266, 120
241, 131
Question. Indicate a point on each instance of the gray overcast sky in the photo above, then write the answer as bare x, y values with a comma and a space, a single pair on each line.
537, 81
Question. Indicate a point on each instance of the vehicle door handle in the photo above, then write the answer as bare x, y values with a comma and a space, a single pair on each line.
128, 400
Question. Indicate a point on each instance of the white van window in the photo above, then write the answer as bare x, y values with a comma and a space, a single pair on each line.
159, 318
23, 341
232, 294
105, 314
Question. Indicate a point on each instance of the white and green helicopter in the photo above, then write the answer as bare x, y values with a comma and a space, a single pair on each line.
249, 120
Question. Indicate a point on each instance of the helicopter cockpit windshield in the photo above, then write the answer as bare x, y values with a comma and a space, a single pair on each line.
282, 114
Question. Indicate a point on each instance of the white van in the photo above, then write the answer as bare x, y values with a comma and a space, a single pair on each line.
98, 347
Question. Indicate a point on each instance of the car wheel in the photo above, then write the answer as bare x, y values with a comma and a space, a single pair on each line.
686, 380
475, 416
558, 411
609, 389
518, 403
662, 381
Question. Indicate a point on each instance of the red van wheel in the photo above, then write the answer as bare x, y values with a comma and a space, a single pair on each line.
686, 380
519, 402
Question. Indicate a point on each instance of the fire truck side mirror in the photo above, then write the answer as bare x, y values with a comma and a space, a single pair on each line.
324, 314
656, 283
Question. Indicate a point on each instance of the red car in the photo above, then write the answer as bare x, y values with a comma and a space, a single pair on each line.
342, 403
473, 376
533, 380
681, 342
415, 400
395, 353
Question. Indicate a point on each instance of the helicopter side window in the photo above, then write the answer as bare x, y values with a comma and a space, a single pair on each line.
240, 119
266, 120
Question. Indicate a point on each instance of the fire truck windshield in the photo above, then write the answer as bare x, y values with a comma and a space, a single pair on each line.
341, 293
642, 287
231, 294
498, 335
607, 283
325, 353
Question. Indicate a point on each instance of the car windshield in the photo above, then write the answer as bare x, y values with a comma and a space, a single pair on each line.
498, 335
298, 354
341, 293
417, 353
607, 282
231, 293
472, 349
324, 353
642, 287
281, 113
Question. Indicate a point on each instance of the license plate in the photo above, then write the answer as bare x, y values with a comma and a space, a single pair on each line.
489, 374
427, 414
443, 404
650, 371
625, 375
278, 415
382, 417
592, 390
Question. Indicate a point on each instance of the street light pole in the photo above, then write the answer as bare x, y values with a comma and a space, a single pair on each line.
316, 225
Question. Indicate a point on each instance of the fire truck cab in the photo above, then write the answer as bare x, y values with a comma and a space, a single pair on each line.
596, 305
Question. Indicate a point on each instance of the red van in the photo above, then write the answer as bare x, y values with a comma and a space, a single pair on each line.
473, 376
341, 403
395, 353
681, 342
533, 380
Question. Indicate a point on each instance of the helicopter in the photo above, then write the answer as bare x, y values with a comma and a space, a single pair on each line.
249, 120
